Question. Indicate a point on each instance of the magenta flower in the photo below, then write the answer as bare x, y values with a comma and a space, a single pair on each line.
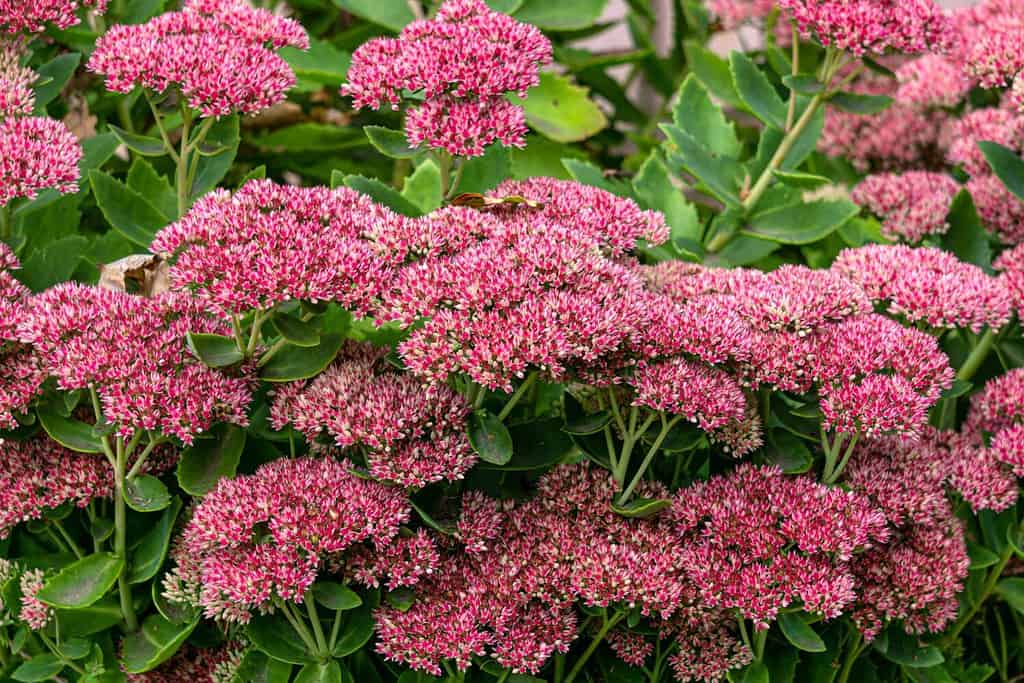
464, 60
1001, 211
16, 95
999, 125
173, 51
35, 154
1010, 264
267, 244
21, 377
991, 36
132, 351
258, 539
912, 205
407, 432
31, 17
707, 396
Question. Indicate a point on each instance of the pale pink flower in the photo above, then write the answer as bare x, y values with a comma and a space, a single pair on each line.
16, 95
912, 205
34, 613
995, 124
872, 26
932, 80
1000, 210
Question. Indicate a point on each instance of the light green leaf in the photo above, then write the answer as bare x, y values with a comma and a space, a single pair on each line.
719, 174
126, 210
423, 187
146, 493
641, 508
322, 64
320, 672
144, 179
865, 105
655, 190
154, 643
379, 192
52, 77
214, 350
564, 15
484, 173
392, 14
561, 110
83, 582
803, 181
757, 91
390, 143
802, 223
297, 362
699, 116
713, 72
73, 434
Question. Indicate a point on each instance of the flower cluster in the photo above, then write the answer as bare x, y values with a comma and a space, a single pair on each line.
16, 95
1001, 211
872, 26
1011, 266
18, 16
463, 60
994, 125
131, 351
734, 13
927, 285
998, 413
990, 37
20, 373
174, 49
911, 205
267, 244
196, 665
259, 539
29, 610
932, 80
36, 153
406, 432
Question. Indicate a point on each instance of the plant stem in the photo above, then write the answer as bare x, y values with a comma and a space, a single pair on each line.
629, 442
460, 166
666, 427
181, 178
173, 153
760, 638
607, 626
120, 538
990, 585
67, 537
141, 460
314, 619
523, 388
834, 469
335, 630
791, 114
977, 356
856, 648
300, 629
5, 223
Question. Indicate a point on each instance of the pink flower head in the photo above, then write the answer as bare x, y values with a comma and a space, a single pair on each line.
40, 475
932, 80
16, 95
708, 645
174, 50
31, 16
1008, 448
34, 613
999, 405
196, 665
876, 405
262, 537
1011, 266
1000, 210
132, 351
36, 153
872, 26
995, 124
928, 285
21, 377
758, 541
702, 394
733, 13
267, 244
995, 57
464, 60
408, 433
912, 205
630, 647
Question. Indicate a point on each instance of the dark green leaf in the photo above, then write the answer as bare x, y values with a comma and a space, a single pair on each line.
86, 621
146, 493
966, 236
804, 84
788, 452
205, 463
564, 15
390, 143
392, 14
803, 223
311, 137
379, 192
401, 598
257, 667
1007, 165
334, 595
320, 672
149, 553
43, 667
296, 362
144, 179
587, 423
757, 91
536, 445
489, 437
799, 633
214, 350
75, 648
140, 144
73, 434
356, 630
211, 169
55, 263
906, 650
154, 643
560, 110
697, 114
298, 332
83, 582
720, 174
641, 508
756, 672
981, 557
864, 105
1012, 591
53, 76
126, 210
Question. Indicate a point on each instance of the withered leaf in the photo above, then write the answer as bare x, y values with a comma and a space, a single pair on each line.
147, 273
475, 200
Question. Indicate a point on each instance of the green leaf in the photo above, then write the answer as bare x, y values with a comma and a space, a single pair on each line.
149, 553
864, 105
536, 445
298, 362
757, 91
799, 633
805, 84
257, 667
336, 596
423, 186
298, 332
756, 672
504, 6
981, 557
146, 493
587, 423
713, 72
311, 137
205, 463
54, 263
126, 210
655, 190
401, 598
379, 192
322, 64
1012, 591
591, 174
320, 672
356, 630
1006, 164
803, 181
390, 143
788, 452
140, 144
43, 667
73, 434
144, 179
392, 14
966, 236
641, 508
89, 620
154, 643
906, 650
803, 223
214, 350
564, 15
560, 110
211, 170
720, 174
53, 76
702, 118
485, 172
489, 437
83, 582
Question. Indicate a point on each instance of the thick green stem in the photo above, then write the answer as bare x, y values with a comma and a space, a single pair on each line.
856, 648
582, 660
120, 538
629, 442
335, 630
834, 469
314, 619
990, 586
141, 460
666, 427
460, 167
296, 622
977, 356
181, 178
791, 113
523, 388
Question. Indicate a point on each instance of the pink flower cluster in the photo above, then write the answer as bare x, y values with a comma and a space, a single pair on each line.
16, 95
1001, 211
734, 13
196, 665
34, 613
20, 15
1011, 266
1003, 126
132, 351
912, 205
932, 80
258, 539
36, 153
927, 285
998, 412
20, 374
267, 244
872, 26
406, 432
174, 50
990, 39
463, 60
